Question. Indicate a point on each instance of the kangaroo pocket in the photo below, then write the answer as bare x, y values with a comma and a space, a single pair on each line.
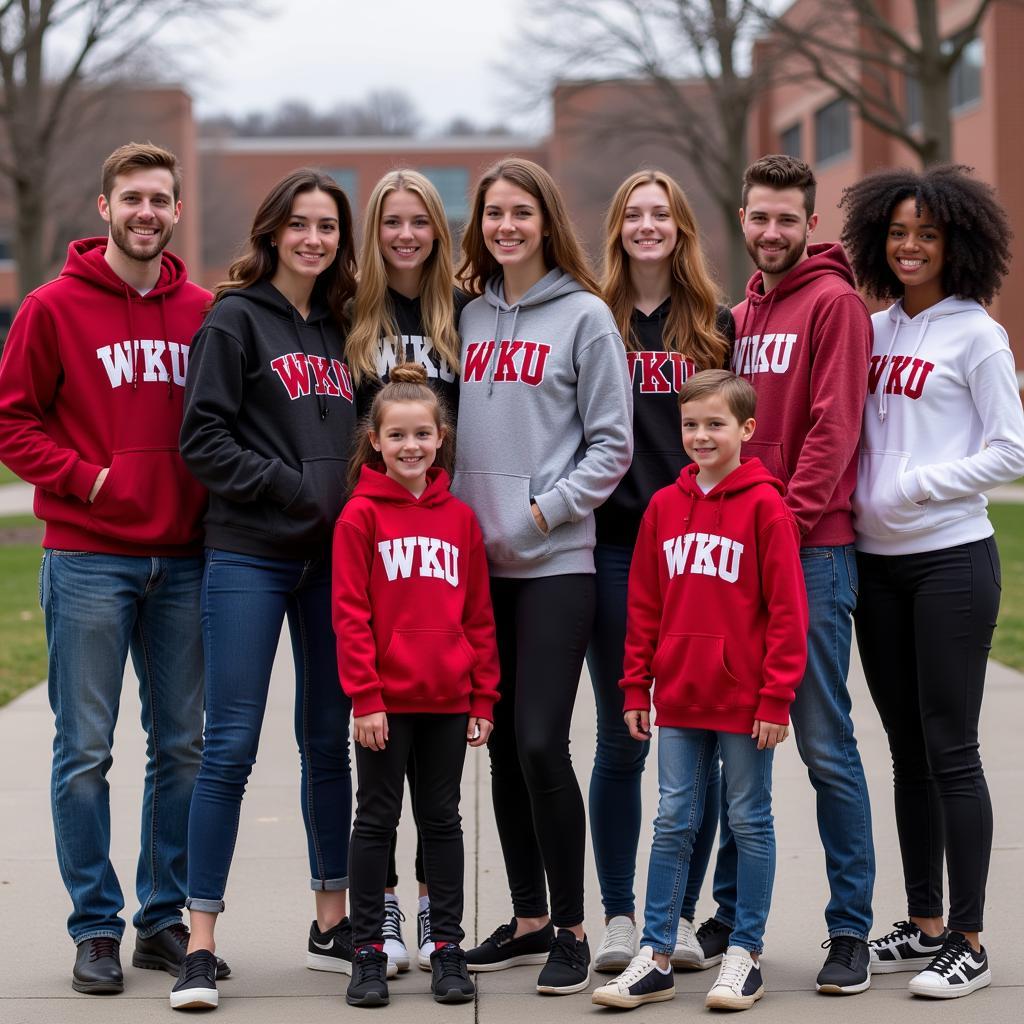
310, 516
502, 505
690, 670
417, 661
771, 456
148, 497
880, 505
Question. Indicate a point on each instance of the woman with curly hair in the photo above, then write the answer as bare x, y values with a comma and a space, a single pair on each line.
942, 424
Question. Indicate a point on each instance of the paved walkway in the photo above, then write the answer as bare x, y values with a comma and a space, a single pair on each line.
263, 932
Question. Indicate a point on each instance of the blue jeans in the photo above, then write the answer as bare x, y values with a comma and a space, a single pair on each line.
244, 603
824, 737
615, 805
98, 608
685, 760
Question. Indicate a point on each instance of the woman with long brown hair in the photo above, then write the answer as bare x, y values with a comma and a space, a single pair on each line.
268, 423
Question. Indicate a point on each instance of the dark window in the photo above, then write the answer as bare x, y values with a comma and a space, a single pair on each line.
791, 141
6, 248
348, 179
832, 131
452, 183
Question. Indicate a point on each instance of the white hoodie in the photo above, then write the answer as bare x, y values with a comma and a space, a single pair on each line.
942, 423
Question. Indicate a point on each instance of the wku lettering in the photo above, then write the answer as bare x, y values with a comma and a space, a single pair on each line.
156, 361
417, 350
906, 375
768, 353
302, 375
430, 557
660, 373
703, 554
516, 361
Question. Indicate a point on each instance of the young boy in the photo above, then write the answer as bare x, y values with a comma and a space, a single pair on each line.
717, 623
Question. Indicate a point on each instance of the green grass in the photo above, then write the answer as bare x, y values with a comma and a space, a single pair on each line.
7, 477
1008, 643
22, 638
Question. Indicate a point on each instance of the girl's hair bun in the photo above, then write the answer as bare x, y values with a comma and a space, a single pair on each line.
408, 373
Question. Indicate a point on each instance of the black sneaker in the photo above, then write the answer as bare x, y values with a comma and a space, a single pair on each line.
905, 949
956, 971
97, 970
641, 982
847, 968
165, 951
330, 950
568, 967
450, 981
501, 949
369, 986
698, 950
196, 987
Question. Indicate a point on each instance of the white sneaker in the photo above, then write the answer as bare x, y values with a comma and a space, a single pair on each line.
956, 971
618, 947
394, 944
689, 954
641, 982
424, 942
739, 983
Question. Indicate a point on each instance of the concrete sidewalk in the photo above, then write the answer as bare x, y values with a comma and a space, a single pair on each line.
263, 933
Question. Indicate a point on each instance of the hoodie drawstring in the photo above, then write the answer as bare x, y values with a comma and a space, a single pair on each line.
883, 399
167, 342
493, 367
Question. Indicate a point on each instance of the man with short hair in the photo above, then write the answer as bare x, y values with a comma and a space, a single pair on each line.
803, 339
91, 387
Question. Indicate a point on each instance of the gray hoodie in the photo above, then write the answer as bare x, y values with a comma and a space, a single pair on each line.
545, 414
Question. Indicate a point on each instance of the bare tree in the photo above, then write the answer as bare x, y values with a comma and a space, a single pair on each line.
860, 50
49, 51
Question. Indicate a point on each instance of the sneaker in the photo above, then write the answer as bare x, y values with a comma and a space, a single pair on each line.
956, 971
568, 965
424, 942
847, 968
641, 982
196, 987
739, 984
332, 950
905, 949
449, 976
394, 944
619, 946
501, 949
165, 951
698, 950
369, 986
97, 969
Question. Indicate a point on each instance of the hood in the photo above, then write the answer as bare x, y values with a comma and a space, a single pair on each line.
950, 306
750, 473
655, 316
86, 261
822, 258
552, 285
264, 294
376, 485
403, 302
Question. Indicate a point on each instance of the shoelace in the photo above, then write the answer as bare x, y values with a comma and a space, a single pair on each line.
201, 964
901, 930
565, 950
393, 918
423, 926
502, 934
637, 968
710, 927
452, 960
371, 966
102, 947
841, 949
620, 933
956, 949
180, 934
730, 974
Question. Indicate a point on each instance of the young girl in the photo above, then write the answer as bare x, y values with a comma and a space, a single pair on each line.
544, 437
267, 428
665, 303
942, 424
406, 310
417, 657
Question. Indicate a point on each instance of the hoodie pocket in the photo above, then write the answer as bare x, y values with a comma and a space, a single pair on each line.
881, 507
420, 662
502, 505
771, 456
311, 514
689, 669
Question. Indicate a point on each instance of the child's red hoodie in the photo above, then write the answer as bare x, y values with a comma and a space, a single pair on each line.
717, 615
411, 600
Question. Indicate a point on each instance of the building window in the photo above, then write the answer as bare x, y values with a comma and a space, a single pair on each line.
832, 131
791, 141
965, 78
6, 248
6, 318
453, 185
348, 179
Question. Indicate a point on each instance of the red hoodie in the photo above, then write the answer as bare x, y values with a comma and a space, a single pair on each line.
412, 603
93, 375
805, 346
717, 618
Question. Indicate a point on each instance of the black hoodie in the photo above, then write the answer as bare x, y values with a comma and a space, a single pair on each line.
268, 423
658, 454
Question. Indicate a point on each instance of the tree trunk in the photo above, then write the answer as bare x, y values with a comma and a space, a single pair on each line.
29, 235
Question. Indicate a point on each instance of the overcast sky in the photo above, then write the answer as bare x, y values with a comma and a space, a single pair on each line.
447, 55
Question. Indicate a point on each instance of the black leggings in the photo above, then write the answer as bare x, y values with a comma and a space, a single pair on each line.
392, 879
924, 629
543, 628
437, 745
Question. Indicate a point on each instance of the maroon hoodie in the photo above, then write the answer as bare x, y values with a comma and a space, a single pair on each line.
805, 346
412, 602
717, 619
93, 375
